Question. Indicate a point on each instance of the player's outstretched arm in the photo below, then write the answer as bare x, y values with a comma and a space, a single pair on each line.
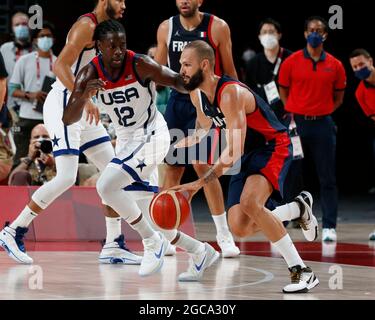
85, 87
203, 124
150, 70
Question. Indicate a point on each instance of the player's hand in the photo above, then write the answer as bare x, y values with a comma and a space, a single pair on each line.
92, 87
187, 142
190, 189
92, 112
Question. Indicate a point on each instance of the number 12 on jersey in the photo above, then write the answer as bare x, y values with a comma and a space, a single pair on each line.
124, 114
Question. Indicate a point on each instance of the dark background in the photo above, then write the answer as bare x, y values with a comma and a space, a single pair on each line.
142, 18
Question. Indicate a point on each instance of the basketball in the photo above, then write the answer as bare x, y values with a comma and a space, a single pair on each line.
169, 209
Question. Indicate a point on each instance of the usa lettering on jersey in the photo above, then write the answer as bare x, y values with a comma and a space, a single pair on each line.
115, 97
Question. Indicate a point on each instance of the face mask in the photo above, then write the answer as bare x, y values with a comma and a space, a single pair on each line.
269, 41
21, 32
45, 43
363, 73
314, 39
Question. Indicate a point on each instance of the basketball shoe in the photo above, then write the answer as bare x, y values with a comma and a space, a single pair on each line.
153, 256
371, 237
227, 245
12, 242
302, 280
198, 263
307, 221
329, 235
117, 252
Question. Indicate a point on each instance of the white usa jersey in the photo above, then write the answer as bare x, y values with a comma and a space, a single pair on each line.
127, 100
84, 58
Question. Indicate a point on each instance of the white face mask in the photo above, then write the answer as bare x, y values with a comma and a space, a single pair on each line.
269, 41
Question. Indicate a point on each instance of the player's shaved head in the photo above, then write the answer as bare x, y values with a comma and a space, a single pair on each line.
202, 50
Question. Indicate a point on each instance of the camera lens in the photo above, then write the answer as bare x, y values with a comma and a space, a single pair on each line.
46, 146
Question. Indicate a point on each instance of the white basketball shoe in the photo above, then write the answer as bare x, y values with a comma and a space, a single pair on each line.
12, 242
198, 263
116, 252
153, 256
227, 245
302, 280
307, 221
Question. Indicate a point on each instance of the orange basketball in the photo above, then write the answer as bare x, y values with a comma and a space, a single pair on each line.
169, 209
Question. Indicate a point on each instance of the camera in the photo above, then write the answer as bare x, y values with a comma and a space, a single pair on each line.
45, 145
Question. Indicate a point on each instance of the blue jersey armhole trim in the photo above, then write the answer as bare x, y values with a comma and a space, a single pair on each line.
143, 83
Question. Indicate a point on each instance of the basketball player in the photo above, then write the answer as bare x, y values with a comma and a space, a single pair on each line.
233, 107
121, 81
85, 136
192, 24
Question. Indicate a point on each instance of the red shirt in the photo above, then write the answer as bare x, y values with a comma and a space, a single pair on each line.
311, 84
366, 98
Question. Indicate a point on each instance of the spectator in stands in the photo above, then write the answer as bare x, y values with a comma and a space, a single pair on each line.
38, 167
27, 82
6, 146
262, 70
13, 50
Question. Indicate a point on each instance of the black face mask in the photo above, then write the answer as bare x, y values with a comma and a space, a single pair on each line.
195, 81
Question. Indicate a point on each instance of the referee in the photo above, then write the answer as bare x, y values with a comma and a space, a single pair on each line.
312, 84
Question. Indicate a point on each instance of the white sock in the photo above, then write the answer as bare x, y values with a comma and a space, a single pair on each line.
221, 223
144, 229
287, 212
289, 252
24, 219
189, 244
113, 228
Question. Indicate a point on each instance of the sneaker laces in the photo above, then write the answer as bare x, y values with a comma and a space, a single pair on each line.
121, 243
225, 239
20, 234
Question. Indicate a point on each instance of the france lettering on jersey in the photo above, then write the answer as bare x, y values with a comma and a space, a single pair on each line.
261, 123
127, 100
85, 56
179, 37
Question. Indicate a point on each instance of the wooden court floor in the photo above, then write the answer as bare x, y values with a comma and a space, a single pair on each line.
71, 271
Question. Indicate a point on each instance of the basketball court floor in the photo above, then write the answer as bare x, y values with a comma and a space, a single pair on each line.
346, 270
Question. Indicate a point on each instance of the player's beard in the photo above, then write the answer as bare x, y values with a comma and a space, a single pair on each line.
195, 81
110, 11
191, 13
